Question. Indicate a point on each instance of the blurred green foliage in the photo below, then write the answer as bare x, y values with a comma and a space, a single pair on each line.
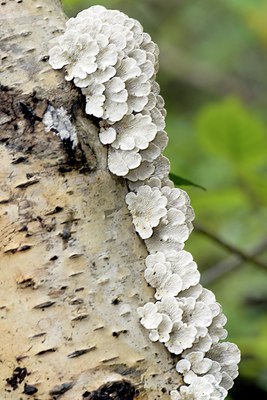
213, 78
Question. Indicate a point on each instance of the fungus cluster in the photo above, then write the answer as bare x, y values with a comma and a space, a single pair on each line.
114, 63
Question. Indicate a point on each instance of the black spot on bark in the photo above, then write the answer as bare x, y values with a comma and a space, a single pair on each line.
24, 228
120, 390
18, 376
116, 301
64, 169
56, 210
29, 389
29, 114
24, 247
46, 304
66, 234
67, 143
44, 58
5, 201
79, 289
19, 160
117, 334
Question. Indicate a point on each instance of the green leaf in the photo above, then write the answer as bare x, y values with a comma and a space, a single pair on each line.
179, 181
229, 130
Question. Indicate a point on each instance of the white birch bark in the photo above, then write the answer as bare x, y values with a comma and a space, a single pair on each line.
71, 264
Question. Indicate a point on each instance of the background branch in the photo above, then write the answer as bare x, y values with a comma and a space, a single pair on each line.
229, 247
227, 265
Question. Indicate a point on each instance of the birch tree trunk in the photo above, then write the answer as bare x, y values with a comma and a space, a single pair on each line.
71, 266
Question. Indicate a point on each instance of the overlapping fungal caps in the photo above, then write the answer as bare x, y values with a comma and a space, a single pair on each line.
114, 63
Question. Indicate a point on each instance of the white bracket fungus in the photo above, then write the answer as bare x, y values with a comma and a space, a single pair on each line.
147, 207
114, 63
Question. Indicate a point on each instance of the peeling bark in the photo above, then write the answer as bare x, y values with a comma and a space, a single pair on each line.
71, 264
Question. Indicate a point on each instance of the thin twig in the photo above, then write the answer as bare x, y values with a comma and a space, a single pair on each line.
232, 249
223, 267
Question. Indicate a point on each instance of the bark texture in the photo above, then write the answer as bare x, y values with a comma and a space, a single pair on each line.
71, 265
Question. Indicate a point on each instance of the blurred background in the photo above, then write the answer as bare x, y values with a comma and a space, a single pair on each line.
213, 77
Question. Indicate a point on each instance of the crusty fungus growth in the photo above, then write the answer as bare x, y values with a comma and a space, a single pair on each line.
58, 121
114, 62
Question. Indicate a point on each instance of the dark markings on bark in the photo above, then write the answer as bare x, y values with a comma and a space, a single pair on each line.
67, 143
63, 169
66, 232
24, 247
37, 335
75, 255
17, 249
78, 353
80, 317
46, 304
60, 389
5, 201
44, 58
29, 389
50, 350
25, 184
21, 117
18, 376
24, 228
25, 283
20, 358
120, 390
74, 302
124, 370
19, 160
76, 274
117, 334
29, 114
56, 210
80, 289
107, 360
116, 301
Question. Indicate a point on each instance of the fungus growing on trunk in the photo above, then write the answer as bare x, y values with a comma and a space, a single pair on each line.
114, 63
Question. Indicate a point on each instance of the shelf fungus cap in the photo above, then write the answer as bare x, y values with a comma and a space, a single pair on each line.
147, 207
105, 47
121, 162
150, 318
134, 131
163, 281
